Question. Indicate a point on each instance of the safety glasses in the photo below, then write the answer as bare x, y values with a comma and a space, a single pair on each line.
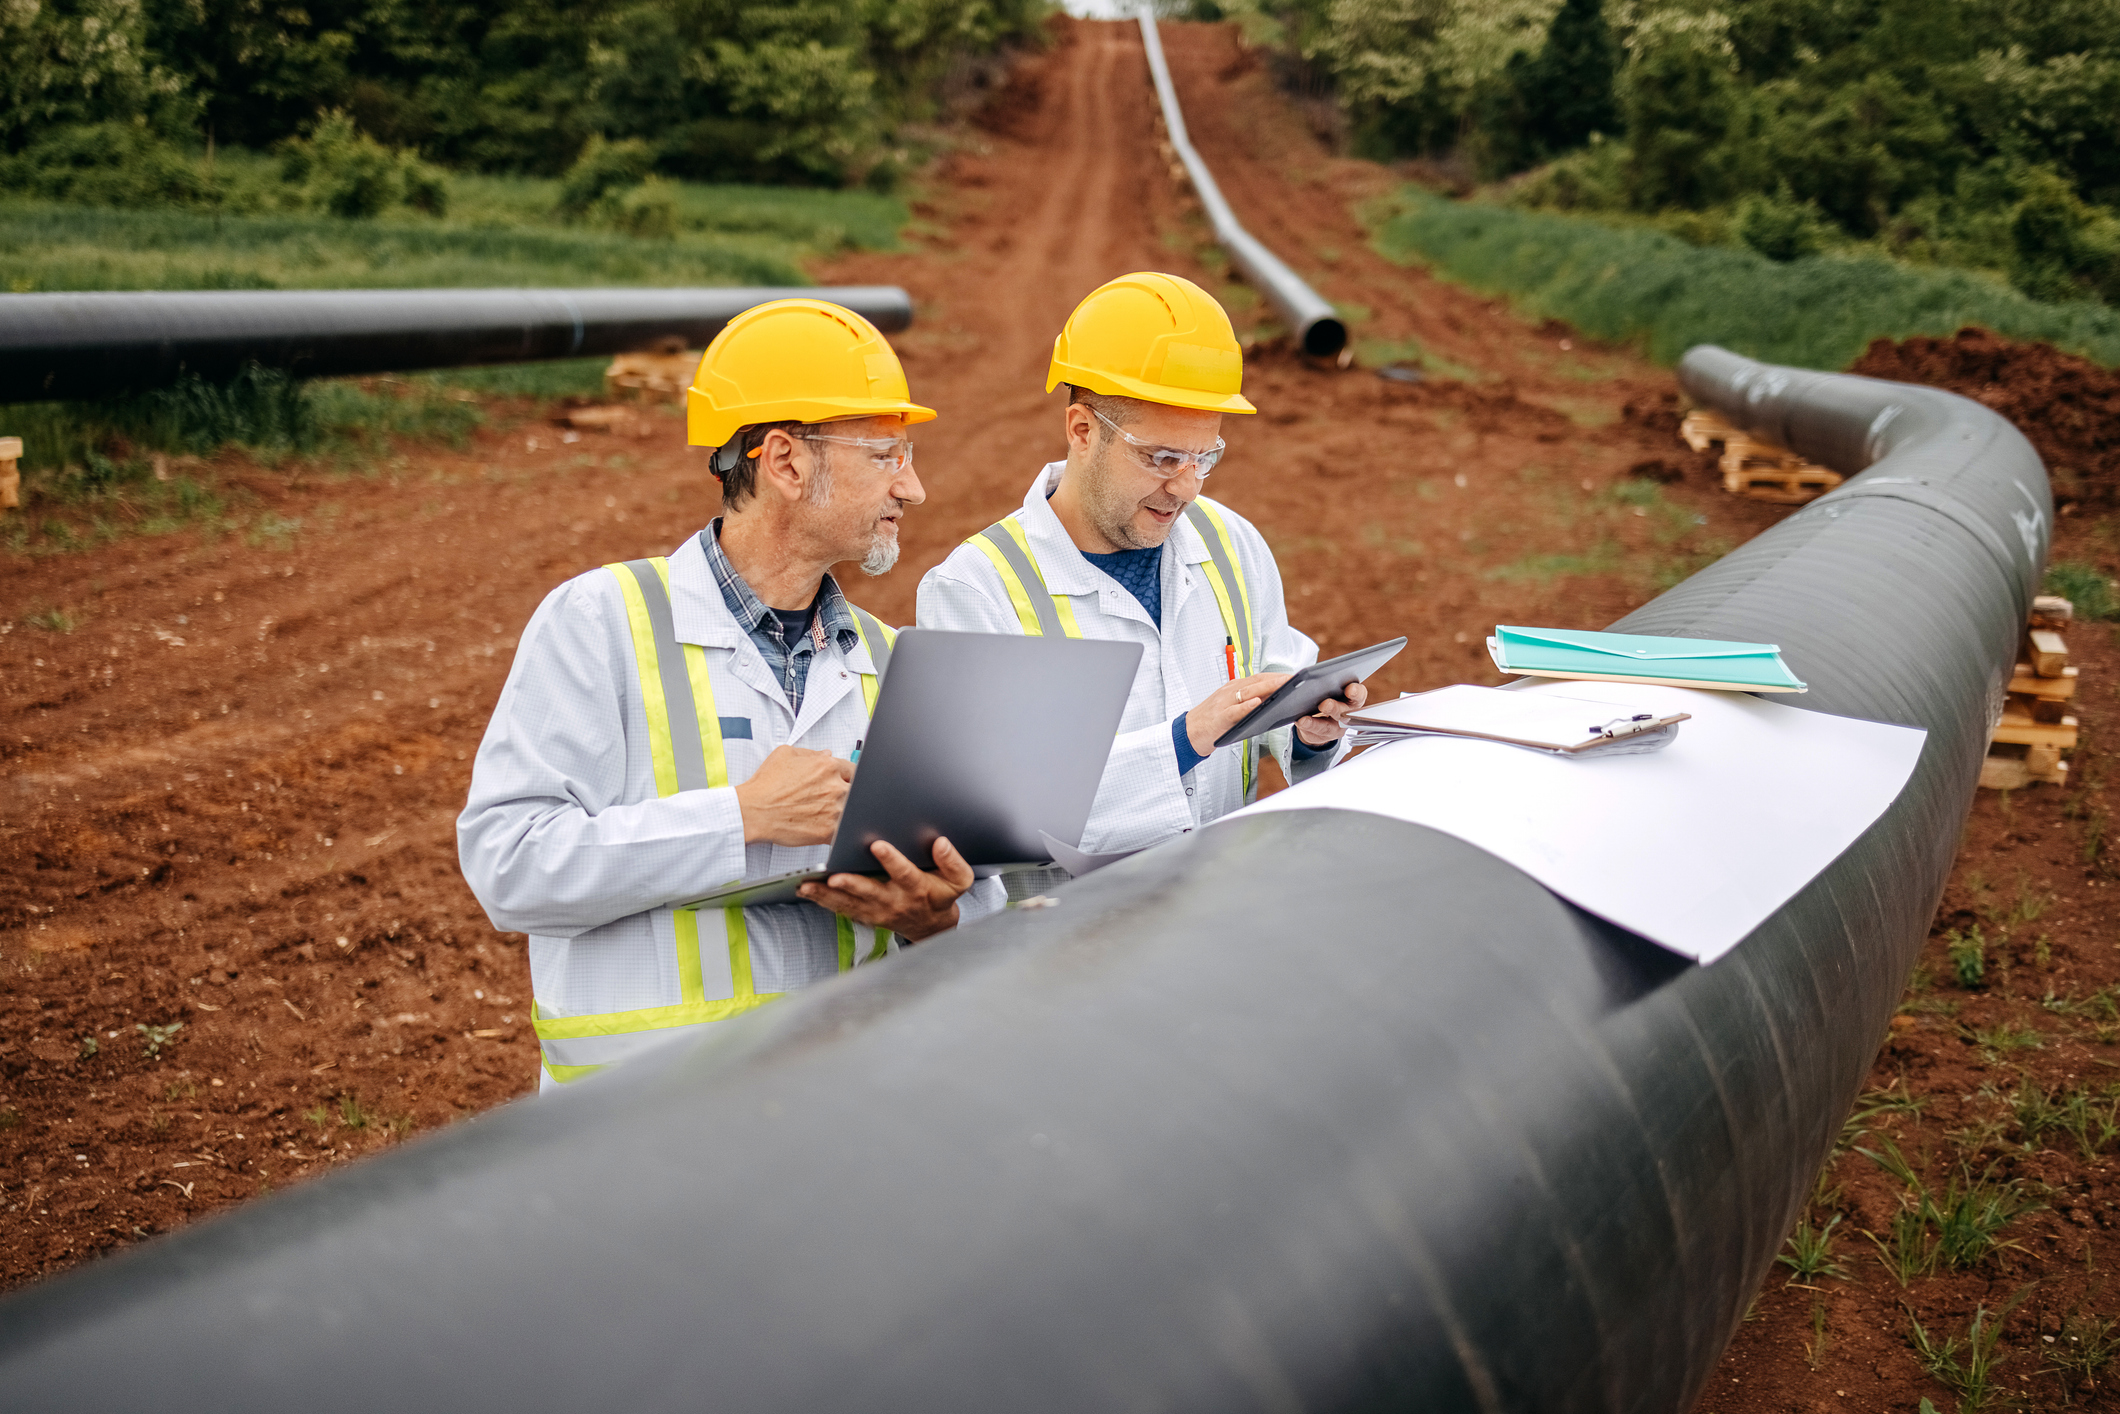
891, 454
1168, 462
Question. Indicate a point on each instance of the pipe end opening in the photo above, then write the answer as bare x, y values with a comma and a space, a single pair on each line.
1324, 338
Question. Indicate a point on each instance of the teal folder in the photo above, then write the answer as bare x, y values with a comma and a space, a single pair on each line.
1629, 657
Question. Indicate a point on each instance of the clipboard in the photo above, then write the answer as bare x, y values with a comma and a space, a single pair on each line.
1565, 726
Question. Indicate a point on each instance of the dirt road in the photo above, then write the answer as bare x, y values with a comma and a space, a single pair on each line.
232, 765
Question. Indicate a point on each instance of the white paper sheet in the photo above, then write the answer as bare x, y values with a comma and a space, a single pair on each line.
1691, 847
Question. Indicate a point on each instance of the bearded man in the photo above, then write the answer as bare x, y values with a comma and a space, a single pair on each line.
672, 725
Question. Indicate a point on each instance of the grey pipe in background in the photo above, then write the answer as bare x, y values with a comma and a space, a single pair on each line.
61, 346
1314, 322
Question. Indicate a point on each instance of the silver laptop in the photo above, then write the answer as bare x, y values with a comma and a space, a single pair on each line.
985, 739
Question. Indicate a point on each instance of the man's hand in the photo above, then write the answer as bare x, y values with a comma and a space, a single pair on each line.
910, 903
1330, 723
795, 798
1226, 706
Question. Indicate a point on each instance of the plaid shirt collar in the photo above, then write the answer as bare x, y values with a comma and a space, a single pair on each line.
783, 658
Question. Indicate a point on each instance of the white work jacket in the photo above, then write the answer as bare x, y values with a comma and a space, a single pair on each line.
1143, 799
568, 837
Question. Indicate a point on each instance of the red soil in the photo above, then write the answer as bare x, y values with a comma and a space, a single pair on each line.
2068, 406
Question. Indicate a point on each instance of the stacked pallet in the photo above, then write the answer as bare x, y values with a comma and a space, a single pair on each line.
2036, 729
10, 478
1755, 468
661, 374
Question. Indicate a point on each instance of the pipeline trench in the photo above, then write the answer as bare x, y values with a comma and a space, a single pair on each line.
231, 783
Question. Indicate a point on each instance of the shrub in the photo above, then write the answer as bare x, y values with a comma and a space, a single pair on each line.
106, 164
1780, 227
340, 169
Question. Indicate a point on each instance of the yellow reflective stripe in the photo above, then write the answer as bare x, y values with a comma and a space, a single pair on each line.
740, 957
1062, 604
871, 684
883, 943
1018, 595
654, 1018
567, 1074
648, 667
1229, 548
846, 943
717, 760
691, 988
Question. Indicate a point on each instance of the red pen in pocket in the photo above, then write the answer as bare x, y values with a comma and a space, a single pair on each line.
1229, 656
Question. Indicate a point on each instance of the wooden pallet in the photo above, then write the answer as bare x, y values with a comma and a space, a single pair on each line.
10, 479
2026, 745
1755, 468
2003, 770
651, 377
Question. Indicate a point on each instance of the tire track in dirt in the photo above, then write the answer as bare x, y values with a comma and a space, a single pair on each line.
230, 789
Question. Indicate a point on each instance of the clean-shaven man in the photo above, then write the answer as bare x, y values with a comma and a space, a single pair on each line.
1117, 541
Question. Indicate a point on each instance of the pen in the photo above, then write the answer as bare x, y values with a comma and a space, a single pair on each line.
854, 759
1229, 655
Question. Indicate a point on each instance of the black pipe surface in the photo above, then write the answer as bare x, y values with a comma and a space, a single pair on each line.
1316, 325
62, 346
1311, 1110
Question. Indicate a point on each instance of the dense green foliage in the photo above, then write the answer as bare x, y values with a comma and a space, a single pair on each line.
715, 90
1975, 133
1643, 286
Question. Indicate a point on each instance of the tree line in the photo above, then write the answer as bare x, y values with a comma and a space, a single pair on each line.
96, 93
1981, 133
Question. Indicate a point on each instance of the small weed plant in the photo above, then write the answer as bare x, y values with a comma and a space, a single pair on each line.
89, 1047
10, 1119
1967, 950
154, 1038
352, 1115
1809, 1252
1968, 1365
2084, 1348
2072, 1111
1957, 1229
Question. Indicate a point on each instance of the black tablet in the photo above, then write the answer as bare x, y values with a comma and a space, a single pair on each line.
1320, 682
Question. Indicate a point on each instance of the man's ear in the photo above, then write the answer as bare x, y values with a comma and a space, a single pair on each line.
780, 468
1081, 427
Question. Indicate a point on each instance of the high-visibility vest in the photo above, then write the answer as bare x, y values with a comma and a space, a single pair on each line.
684, 744
1045, 614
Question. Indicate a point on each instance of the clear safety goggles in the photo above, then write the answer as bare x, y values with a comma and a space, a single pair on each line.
891, 454
1168, 462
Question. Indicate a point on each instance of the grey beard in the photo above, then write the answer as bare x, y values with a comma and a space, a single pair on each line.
882, 555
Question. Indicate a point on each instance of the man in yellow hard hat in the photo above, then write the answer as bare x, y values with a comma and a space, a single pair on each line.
675, 724
1117, 541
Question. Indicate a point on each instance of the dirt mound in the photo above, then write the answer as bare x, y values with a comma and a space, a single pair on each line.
2068, 406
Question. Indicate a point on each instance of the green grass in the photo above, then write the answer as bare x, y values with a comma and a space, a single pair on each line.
1631, 285
2087, 587
1808, 1254
501, 231
1968, 1367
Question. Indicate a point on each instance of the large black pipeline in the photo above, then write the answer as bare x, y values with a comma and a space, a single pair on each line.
1312, 1110
1314, 322
61, 346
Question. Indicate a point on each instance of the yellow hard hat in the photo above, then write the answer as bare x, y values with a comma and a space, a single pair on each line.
1157, 337
795, 360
